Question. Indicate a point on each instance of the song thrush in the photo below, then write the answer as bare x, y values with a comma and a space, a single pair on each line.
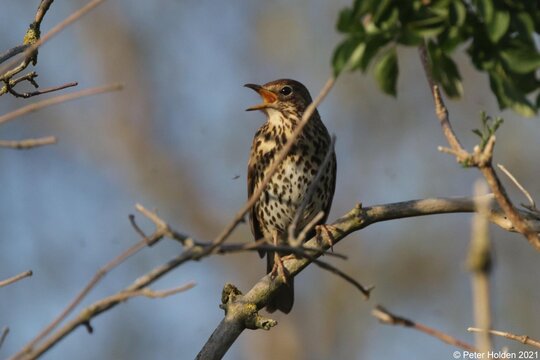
284, 102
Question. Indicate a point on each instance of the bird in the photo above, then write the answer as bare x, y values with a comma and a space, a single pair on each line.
284, 103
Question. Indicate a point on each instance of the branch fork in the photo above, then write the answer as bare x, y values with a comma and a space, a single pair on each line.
246, 313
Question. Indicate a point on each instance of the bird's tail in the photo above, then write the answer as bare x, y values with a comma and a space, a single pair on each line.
283, 299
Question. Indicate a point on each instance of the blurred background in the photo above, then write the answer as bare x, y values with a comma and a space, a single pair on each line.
177, 139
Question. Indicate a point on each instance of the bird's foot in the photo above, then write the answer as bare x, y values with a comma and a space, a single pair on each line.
327, 237
278, 269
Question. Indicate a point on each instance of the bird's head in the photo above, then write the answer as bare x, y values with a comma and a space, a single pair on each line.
283, 95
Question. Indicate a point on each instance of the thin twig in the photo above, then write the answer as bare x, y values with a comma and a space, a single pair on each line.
479, 263
57, 100
524, 339
532, 204
263, 245
365, 290
29, 94
42, 10
147, 292
16, 278
29, 51
100, 274
386, 317
8, 85
3, 335
28, 143
440, 109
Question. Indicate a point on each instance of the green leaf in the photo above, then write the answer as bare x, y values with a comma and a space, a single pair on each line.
498, 25
445, 71
386, 72
521, 60
485, 8
458, 13
489, 127
345, 20
428, 27
347, 53
508, 96
450, 77
373, 44
524, 23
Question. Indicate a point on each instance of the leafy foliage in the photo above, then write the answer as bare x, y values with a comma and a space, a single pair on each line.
499, 36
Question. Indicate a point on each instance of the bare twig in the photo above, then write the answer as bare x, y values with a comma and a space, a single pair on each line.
29, 94
440, 109
100, 274
3, 335
147, 292
29, 51
365, 290
42, 10
386, 317
28, 143
524, 339
8, 87
57, 100
532, 205
16, 278
479, 262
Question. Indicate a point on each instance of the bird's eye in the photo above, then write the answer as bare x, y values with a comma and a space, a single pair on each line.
286, 90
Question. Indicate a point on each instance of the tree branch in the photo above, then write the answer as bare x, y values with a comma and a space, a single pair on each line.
480, 158
358, 218
256, 298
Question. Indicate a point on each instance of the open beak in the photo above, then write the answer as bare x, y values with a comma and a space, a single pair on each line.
269, 98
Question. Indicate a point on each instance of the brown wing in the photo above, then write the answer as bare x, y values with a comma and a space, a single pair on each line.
252, 178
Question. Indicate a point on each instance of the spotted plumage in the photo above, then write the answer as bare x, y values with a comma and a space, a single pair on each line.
284, 102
